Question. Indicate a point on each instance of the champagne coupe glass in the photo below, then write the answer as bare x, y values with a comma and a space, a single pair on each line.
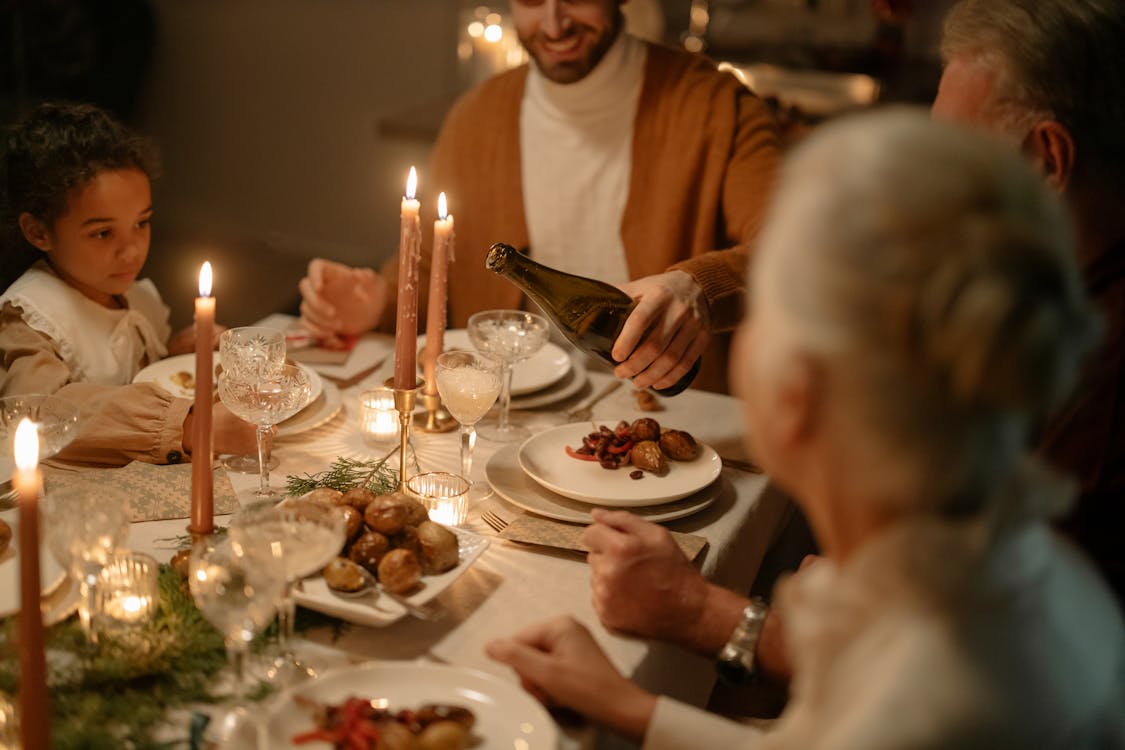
511, 336
56, 422
303, 538
234, 584
250, 351
469, 384
265, 400
85, 523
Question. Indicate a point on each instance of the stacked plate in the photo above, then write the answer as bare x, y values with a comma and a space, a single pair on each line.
541, 478
177, 376
60, 594
545, 378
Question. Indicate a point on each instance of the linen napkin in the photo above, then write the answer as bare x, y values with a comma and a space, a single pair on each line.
535, 530
155, 492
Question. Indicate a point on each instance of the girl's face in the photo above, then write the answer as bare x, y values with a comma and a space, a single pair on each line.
100, 243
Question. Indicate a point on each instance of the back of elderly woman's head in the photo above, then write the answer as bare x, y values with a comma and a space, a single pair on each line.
934, 275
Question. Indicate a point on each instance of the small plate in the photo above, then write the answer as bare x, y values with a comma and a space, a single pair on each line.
541, 370
571, 384
51, 574
545, 460
506, 715
378, 610
164, 373
504, 473
314, 415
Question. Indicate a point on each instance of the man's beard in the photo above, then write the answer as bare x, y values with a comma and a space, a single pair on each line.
569, 71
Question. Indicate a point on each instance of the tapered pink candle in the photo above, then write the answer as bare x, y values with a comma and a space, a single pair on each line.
35, 728
439, 282
202, 481
409, 255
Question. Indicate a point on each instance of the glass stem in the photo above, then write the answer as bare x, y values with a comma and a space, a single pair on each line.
236, 660
286, 613
468, 440
87, 614
505, 394
264, 444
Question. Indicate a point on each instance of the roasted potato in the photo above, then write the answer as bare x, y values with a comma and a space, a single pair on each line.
344, 575
358, 498
369, 549
679, 445
388, 514
416, 513
648, 456
353, 521
399, 571
407, 539
645, 428
325, 496
439, 548
443, 735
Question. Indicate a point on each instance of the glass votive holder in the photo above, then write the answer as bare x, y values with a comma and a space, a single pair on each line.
445, 496
378, 419
127, 590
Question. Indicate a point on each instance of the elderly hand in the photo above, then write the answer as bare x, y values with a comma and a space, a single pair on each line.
640, 580
341, 300
559, 662
672, 318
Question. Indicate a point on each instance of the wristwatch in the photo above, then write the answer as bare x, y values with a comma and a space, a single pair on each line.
735, 664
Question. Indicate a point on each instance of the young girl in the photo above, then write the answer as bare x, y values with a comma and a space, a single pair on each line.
76, 322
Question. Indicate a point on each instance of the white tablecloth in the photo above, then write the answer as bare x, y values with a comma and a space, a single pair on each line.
513, 585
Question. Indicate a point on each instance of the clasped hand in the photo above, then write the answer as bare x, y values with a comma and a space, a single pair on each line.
358, 296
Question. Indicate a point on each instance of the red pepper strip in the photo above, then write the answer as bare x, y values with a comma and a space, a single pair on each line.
317, 735
623, 448
580, 456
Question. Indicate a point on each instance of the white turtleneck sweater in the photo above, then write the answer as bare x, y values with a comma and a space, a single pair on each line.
576, 153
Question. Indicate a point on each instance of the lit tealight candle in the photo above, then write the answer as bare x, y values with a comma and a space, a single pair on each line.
378, 418
406, 322
439, 284
34, 705
127, 589
202, 481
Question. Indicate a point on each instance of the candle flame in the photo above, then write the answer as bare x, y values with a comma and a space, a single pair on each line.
205, 279
26, 445
442, 211
411, 184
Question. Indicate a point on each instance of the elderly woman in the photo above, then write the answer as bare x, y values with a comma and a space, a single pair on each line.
915, 311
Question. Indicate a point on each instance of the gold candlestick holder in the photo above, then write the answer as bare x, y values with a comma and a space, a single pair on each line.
436, 418
405, 398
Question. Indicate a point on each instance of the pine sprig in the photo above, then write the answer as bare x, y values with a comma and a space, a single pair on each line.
377, 475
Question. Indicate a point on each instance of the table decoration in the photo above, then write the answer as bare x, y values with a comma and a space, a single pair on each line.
202, 489
440, 259
405, 399
377, 475
444, 495
378, 419
35, 730
406, 320
127, 590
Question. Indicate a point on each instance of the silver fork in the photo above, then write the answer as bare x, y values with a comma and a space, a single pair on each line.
497, 523
586, 410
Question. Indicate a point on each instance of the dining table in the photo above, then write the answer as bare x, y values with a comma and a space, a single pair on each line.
512, 585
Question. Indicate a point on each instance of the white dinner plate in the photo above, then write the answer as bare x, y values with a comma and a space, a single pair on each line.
164, 372
314, 415
506, 716
571, 384
51, 573
546, 367
545, 460
378, 610
510, 482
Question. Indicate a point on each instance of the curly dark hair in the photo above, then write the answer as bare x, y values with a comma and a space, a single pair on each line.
55, 149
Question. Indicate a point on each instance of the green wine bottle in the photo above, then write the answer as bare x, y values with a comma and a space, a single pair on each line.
590, 313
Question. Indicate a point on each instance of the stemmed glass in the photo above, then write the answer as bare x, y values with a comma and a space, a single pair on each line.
56, 422
469, 384
302, 538
250, 352
234, 584
85, 524
511, 336
265, 400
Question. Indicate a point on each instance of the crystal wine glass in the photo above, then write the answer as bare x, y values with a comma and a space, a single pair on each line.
85, 523
511, 336
265, 400
56, 422
250, 351
235, 584
303, 538
469, 383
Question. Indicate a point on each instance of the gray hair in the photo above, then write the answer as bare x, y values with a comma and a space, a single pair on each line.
1059, 59
938, 271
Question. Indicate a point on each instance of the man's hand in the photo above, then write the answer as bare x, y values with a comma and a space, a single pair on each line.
341, 300
641, 582
672, 310
559, 663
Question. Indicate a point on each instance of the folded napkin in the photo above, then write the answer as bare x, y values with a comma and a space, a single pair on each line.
155, 492
535, 530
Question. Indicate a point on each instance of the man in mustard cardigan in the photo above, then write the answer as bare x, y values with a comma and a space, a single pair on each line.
608, 157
